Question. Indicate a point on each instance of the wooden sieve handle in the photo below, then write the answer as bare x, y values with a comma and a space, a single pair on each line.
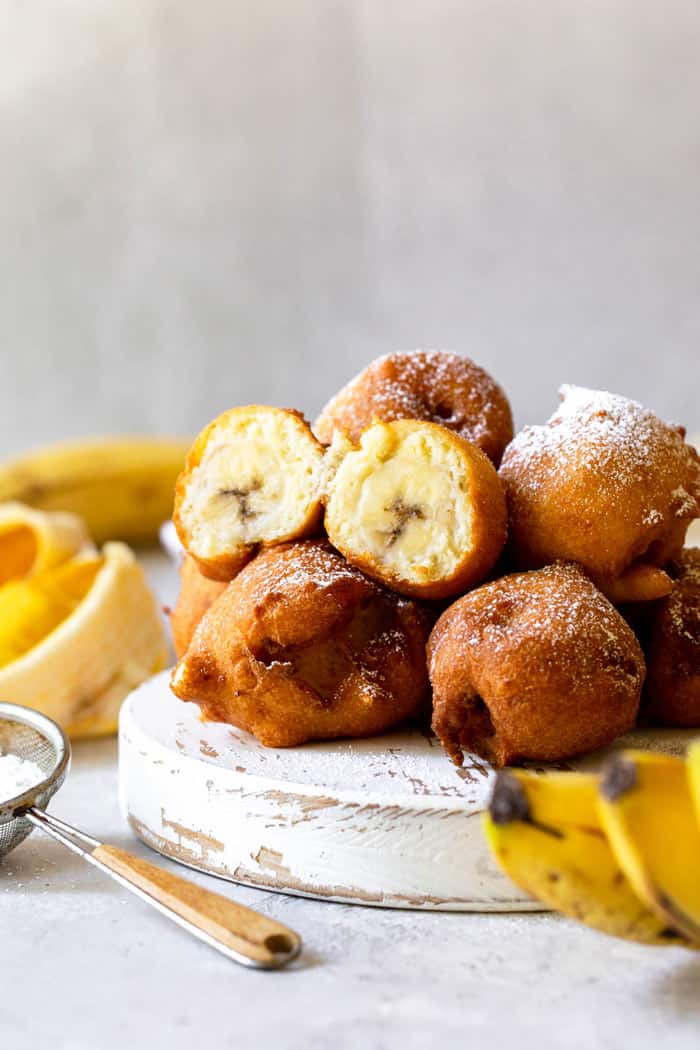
240, 933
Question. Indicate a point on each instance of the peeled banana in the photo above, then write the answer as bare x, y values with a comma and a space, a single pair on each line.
121, 487
546, 833
647, 812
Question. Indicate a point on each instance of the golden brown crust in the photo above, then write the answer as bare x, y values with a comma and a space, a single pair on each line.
434, 386
604, 483
673, 648
488, 521
226, 567
301, 646
197, 594
537, 665
639, 583
226, 563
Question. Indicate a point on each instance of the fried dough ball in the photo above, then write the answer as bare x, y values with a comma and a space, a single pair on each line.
673, 648
416, 507
197, 593
604, 483
252, 478
434, 386
301, 646
538, 665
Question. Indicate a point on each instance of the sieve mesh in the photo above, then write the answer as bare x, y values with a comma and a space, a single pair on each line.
28, 742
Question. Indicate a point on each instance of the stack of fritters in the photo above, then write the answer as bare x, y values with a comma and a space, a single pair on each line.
319, 558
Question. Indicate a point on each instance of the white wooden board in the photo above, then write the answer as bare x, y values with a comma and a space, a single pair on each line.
387, 821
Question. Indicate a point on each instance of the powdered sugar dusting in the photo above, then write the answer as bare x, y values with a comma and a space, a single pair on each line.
301, 565
653, 517
619, 437
556, 610
684, 505
570, 605
627, 477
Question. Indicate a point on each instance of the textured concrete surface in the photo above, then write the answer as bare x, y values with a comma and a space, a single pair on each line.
87, 967
208, 204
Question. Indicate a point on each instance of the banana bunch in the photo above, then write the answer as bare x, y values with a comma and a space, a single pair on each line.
78, 629
121, 488
619, 851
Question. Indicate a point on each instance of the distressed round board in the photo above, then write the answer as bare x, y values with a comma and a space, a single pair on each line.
387, 821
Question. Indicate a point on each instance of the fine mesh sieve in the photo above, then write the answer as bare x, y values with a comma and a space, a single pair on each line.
29, 735
238, 932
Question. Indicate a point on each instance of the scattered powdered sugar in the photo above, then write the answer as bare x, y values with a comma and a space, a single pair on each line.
17, 775
297, 566
683, 503
689, 566
554, 615
617, 444
653, 517
614, 431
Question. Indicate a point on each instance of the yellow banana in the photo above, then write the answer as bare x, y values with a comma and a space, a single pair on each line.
122, 487
31, 541
647, 811
76, 639
693, 763
546, 834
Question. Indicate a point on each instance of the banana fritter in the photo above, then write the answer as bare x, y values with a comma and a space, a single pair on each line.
672, 644
302, 646
434, 386
604, 483
197, 593
538, 665
252, 478
416, 507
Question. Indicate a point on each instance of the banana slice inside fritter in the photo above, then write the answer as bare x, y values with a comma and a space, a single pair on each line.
418, 508
253, 477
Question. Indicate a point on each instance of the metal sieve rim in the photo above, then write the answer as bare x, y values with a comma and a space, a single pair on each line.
52, 732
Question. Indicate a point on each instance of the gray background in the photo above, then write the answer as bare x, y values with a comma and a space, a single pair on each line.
211, 203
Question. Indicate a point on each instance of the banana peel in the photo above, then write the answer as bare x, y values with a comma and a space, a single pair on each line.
546, 833
122, 488
32, 542
32, 608
647, 811
76, 639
